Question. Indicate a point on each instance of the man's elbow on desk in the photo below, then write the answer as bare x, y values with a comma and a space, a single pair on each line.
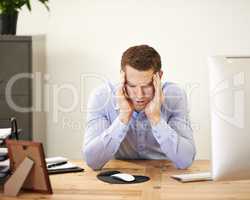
185, 162
93, 166
91, 160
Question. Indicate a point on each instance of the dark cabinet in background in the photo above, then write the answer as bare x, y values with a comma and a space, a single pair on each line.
24, 56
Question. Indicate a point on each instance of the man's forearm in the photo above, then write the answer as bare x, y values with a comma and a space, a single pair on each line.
178, 148
103, 147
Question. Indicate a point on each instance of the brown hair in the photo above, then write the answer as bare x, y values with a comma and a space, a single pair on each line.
142, 58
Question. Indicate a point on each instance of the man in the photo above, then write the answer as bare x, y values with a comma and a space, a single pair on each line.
139, 119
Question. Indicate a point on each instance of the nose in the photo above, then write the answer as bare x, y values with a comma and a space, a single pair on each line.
139, 93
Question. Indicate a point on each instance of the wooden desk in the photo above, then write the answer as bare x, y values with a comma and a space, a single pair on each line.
85, 186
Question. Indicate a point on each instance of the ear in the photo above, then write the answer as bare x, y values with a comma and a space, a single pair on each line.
160, 73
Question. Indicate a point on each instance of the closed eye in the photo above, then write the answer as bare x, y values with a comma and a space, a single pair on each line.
144, 86
130, 85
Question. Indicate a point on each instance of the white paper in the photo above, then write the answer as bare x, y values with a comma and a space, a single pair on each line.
5, 162
3, 150
58, 159
4, 132
68, 165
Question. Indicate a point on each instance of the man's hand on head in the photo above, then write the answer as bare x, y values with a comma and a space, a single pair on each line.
125, 106
153, 108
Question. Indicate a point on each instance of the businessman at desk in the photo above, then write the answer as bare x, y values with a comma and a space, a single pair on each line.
139, 118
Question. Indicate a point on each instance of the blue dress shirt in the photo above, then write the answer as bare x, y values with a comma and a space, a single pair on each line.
106, 137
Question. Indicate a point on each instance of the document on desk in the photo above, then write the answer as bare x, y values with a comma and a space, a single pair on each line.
68, 165
3, 150
4, 133
57, 159
204, 176
4, 168
64, 168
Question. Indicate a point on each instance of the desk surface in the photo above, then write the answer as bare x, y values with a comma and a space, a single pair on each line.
85, 185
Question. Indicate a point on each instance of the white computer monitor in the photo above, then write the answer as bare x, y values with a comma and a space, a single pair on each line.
229, 78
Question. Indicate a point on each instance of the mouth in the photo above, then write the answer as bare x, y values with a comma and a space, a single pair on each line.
141, 102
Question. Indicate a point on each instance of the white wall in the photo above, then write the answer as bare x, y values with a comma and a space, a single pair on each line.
89, 36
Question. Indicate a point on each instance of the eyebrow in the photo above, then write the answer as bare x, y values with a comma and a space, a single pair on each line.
131, 84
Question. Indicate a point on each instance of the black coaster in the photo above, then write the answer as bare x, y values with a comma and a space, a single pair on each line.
106, 177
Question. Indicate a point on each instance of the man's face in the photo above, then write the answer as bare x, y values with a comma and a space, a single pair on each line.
139, 86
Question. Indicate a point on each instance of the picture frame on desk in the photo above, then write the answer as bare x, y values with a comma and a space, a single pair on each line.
27, 163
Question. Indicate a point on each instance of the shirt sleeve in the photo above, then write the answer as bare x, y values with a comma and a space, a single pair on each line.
176, 136
102, 138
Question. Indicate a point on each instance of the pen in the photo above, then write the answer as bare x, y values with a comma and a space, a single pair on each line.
56, 164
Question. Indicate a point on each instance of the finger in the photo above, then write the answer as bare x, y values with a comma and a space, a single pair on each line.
123, 80
121, 83
161, 94
122, 77
157, 84
159, 81
125, 92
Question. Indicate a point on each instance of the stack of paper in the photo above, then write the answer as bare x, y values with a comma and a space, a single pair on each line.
4, 165
3, 154
4, 168
53, 160
61, 165
68, 165
4, 133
